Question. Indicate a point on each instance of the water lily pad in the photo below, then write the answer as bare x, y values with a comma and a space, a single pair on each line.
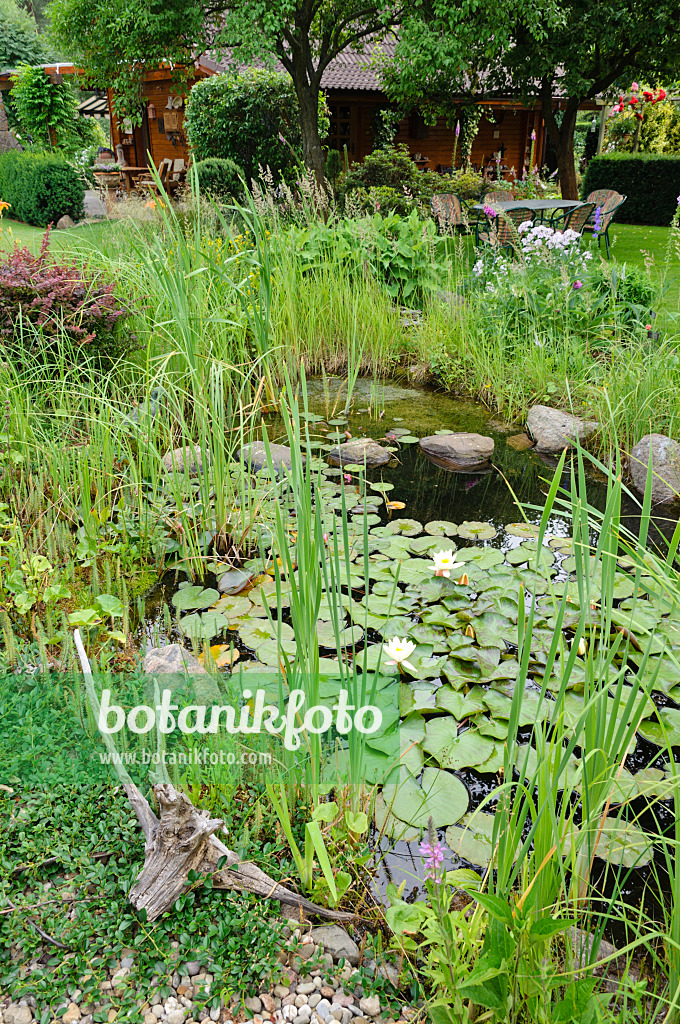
665, 728
232, 581
441, 528
529, 530
270, 652
254, 635
348, 636
382, 486
439, 796
472, 839
387, 824
455, 750
205, 627
232, 606
194, 598
407, 527
624, 843
477, 531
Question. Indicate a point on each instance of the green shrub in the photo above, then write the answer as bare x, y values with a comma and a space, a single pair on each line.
220, 177
391, 167
40, 187
650, 181
241, 116
385, 199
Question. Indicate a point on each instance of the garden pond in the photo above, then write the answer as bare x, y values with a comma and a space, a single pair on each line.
447, 706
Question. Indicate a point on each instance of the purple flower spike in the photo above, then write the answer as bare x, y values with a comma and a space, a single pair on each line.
576, 285
458, 132
433, 855
533, 136
489, 211
597, 226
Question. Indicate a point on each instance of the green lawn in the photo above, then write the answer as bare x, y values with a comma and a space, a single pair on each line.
78, 239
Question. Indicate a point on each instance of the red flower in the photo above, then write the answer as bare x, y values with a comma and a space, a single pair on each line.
648, 95
661, 94
638, 115
633, 100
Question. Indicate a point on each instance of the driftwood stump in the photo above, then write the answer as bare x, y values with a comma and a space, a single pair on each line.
184, 840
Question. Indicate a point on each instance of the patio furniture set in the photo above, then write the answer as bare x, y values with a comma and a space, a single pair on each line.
172, 174
500, 230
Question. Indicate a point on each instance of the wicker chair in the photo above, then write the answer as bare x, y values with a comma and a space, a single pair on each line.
609, 201
574, 219
448, 211
501, 231
499, 195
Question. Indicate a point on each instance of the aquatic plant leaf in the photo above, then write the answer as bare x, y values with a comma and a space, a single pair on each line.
270, 652
417, 696
624, 843
529, 530
205, 626
477, 531
440, 796
441, 528
471, 840
233, 606
390, 826
460, 705
456, 750
254, 635
405, 527
663, 729
326, 634
194, 598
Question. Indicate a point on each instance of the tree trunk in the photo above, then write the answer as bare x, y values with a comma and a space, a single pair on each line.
308, 98
562, 138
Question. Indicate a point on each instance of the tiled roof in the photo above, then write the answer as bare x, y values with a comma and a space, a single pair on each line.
350, 70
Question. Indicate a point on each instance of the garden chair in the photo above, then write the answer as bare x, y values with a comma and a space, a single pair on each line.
147, 181
574, 219
609, 201
449, 212
504, 237
498, 195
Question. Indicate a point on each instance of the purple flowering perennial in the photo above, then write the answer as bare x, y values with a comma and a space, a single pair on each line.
597, 226
433, 855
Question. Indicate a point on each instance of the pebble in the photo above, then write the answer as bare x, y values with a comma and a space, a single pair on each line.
150, 1018
300, 999
215, 1013
193, 968
323, 1009
267, 1002
370, 1005
281, 991
72, 1014
327, 991
175, 1017
314, 999
305, 988
253, 1003
127, 961
289, 1012
157, 1009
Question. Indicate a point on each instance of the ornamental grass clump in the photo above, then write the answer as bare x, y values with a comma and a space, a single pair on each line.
50, 308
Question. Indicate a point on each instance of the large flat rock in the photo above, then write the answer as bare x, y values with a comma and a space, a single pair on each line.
665, 467
360, 450
255, 455
554, 430
459, 451
173, 665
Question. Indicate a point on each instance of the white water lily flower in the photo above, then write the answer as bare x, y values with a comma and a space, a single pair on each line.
399, 651
444, 563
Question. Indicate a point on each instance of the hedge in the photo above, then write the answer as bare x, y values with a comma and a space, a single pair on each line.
40, 187
651, 181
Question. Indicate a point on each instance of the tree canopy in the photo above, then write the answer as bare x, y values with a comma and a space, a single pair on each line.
20, 42
117, 41
571, 49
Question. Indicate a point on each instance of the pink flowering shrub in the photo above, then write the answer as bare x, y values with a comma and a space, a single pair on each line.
47, 304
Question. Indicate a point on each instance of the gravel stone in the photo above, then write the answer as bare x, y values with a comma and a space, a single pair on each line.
72, 1014
370, 1006
253, 1003
305, 988
314, 999
323, 1009
176, 1016
300, 999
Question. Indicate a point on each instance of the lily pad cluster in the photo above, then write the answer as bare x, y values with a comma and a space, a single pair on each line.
454, 698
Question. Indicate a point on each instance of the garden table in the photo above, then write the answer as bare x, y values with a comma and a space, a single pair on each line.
537, 205
129, 174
